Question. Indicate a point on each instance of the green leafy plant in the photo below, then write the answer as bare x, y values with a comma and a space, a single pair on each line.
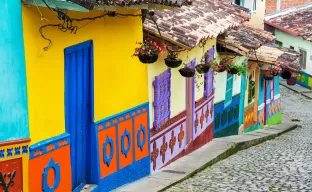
236, 69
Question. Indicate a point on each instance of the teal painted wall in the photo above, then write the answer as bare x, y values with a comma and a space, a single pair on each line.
261, 90
290, 40
242, 96
276, 85
13, 91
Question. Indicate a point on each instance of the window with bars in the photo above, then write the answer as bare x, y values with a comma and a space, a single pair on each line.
208, 85
272, 89
229, 90
162, 86
303, 58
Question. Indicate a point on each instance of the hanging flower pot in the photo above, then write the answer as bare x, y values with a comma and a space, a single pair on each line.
268, 77
172, 61
232, 71
221, 68
274, 72
292, 81
148, 58
202, 68
286, 74
187, 72
148, 51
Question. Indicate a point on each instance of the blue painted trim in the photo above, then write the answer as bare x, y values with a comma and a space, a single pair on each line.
303, 85
57, 176
132, 172
305, 73
107, 159
43, 144
219, 108
149, 128
94, 173
122, 114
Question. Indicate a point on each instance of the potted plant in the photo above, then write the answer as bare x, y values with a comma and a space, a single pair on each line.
203, 67
148, 51
286, 74
187, 71
275, 71
235, 69
173, 61
267, 75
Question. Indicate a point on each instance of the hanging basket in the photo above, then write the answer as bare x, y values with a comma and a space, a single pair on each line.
221, 69
187, 72
232, 71
268, 77
148, 58
173, 62
292, 81
286, 74
202, 68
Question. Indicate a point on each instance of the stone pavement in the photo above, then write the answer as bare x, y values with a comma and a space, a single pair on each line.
282, 164
259, 168
297, 88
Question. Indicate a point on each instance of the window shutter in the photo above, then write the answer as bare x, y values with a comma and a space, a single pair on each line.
162, 94
208, 77
229, 90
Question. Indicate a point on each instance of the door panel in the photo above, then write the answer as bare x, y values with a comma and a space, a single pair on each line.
78, 107
190, 104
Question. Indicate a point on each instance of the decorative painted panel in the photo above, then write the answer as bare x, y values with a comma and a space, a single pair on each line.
49, 165
14, 165
249, 117
168, 143
204, 115
225, 117
209, 86
123, 147
273, 108
261, 115
162, 84
305, 80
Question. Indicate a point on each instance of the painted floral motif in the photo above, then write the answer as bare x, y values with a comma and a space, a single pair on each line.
5, 185
196, 123
207, 113
172, 141
202, 118
211, 110
154, 155
181, 136
163, 149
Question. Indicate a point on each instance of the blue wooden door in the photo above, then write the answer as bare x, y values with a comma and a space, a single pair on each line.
78, 107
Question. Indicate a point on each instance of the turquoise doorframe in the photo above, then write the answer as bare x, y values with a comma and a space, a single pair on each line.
242, 96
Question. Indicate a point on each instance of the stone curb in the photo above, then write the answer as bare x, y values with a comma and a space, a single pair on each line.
293, 88
216, 150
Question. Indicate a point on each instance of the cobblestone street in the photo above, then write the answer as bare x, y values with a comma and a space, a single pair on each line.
282, 164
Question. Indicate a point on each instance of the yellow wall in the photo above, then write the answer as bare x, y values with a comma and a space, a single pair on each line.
120, 81
257, 17
178, 83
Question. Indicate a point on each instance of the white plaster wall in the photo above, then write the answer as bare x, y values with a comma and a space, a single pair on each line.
220, 82
297, 42
178, 83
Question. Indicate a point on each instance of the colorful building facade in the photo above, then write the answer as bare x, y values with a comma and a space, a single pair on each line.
296, 38
14, 136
